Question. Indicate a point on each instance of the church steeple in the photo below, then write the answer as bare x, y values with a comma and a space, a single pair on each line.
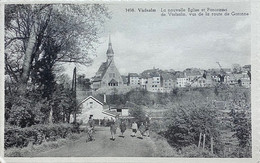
110, 52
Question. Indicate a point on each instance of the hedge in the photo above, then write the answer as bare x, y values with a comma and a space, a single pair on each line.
20, 137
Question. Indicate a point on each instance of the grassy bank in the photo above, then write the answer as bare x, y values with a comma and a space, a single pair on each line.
32, 150
161, 146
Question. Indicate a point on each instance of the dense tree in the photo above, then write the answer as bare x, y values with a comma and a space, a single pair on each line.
185, 122
66, 32
38, 39
138, 112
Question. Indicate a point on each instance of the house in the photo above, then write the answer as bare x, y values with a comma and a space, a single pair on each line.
133, 79
107, 75
191, 75
119, 110
198, 82
91, 106
246, 83
168, 82
181, 81
125, 80
143, 82
155, 83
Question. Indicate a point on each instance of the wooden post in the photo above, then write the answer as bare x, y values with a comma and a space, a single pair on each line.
204, 141
211, 144
199, 141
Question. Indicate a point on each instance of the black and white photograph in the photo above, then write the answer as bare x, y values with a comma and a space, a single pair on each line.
127, 80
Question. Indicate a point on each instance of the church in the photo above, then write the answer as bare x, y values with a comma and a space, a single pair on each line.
107, 75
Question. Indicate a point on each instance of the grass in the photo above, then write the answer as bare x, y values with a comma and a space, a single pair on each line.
31, 149
161, 146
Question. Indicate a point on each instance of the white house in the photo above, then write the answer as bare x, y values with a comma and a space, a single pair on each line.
133, 79
182, 82
90, 106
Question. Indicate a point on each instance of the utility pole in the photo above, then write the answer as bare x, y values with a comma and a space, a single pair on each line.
74, 93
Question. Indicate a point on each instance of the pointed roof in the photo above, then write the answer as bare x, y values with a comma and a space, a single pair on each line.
113, 81
101, 103
110, 50
101, 71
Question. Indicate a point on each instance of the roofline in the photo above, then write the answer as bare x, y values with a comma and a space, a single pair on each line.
89, 98
104, 112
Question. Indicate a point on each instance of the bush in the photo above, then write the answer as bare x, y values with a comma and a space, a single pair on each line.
193, 151
20, 137
162, 148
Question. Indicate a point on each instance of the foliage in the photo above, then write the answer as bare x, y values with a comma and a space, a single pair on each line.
33, 149
20, 137
162, 148
38, 39
138, 113
186, 121
193, 151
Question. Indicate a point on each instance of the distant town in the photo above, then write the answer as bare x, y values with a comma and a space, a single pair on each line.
157, 80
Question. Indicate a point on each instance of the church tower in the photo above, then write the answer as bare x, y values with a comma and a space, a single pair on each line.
107, 75
110, 52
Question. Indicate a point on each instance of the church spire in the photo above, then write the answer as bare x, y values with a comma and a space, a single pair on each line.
110, 51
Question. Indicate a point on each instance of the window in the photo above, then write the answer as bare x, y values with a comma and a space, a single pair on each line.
114, 75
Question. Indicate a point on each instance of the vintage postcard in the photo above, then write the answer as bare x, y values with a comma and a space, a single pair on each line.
128, 82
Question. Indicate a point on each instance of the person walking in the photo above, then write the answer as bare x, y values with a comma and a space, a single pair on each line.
90, 130
147, 126
122, 127
142, 129
134, 129
112, 128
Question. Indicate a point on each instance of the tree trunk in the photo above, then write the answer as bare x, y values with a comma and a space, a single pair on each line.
28, 54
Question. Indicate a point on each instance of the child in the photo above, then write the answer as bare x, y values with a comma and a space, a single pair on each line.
112, 128
134, 129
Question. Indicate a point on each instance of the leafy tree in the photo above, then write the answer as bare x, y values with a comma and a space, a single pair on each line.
138, 113
187, 120
38, 39
67, 32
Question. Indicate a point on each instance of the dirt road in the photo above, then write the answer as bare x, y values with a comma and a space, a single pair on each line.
104, 147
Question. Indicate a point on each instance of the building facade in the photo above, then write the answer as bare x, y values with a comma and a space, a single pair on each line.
107, 74
133, 79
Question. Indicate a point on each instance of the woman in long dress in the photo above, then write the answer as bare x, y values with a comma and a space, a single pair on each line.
123, 127
142, 129
112, 128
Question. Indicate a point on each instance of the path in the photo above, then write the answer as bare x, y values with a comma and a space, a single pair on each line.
104, 147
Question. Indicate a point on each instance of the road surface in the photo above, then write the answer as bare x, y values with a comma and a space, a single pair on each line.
103, 146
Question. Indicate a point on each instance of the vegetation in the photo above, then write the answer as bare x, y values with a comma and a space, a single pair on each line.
39, 39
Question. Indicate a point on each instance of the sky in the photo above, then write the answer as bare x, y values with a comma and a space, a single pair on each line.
142, 41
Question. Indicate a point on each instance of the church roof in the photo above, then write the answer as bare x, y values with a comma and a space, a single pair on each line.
101, 71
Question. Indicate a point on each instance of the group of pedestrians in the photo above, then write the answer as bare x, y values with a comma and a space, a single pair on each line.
143, 128
114, 123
